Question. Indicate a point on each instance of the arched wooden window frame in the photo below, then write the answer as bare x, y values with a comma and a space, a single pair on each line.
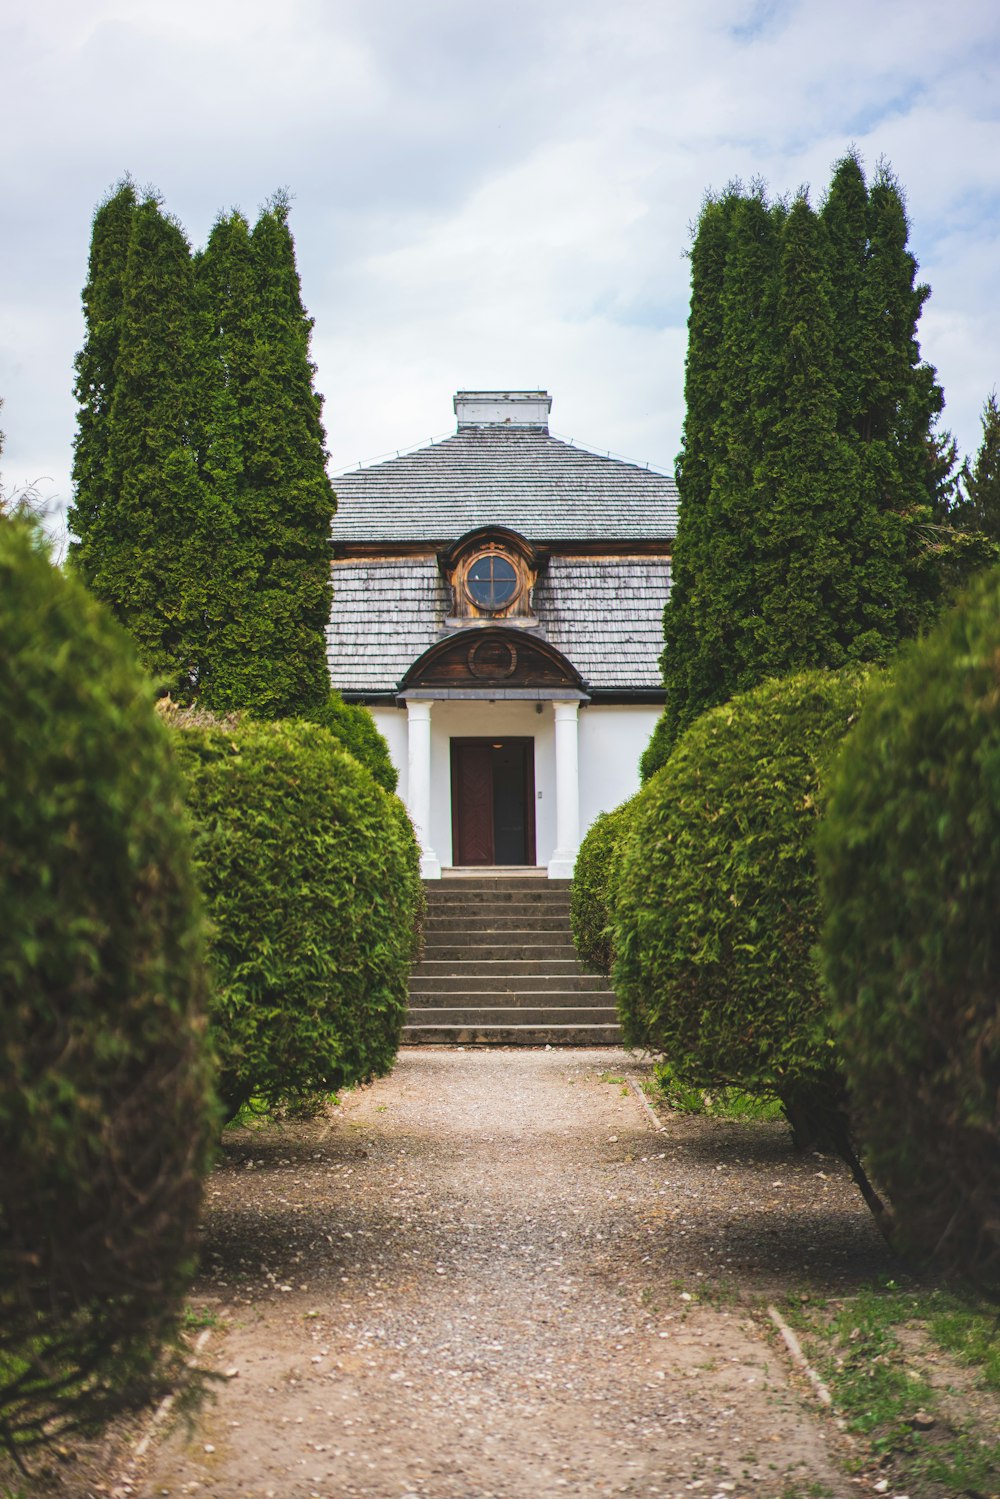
491, 541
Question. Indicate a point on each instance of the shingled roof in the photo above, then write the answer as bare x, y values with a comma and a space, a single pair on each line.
515, 476
604, 614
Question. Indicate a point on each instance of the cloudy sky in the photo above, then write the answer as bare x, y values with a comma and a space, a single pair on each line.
486, 195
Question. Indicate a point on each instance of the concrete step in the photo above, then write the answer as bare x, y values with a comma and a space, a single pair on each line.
559, 947
514, 1015
475, 900
500, 969
512, 1035
492, 922
496, 967
534, 983
526, 999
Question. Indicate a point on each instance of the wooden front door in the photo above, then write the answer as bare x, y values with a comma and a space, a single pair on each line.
493, 801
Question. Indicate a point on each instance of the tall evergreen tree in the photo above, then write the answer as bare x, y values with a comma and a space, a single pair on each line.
144, 519
202, 511
93, 515
266, 459
810, 466
978, 505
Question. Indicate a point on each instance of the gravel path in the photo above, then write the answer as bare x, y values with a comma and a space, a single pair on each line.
492, 1275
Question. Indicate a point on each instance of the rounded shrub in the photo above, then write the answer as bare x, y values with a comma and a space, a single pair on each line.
592, 892
717, 906
311, 876
910, 866
106, 1108
355, 728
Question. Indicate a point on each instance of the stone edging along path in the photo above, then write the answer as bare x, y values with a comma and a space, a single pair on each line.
492, 1274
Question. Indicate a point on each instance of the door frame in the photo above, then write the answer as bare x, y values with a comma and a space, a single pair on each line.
527, 744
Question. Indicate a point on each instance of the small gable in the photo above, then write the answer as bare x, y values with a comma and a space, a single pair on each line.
485, 658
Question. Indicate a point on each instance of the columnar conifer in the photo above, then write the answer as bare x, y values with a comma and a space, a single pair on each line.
809, 466
978, 507
94, 514
203, 508
266, 454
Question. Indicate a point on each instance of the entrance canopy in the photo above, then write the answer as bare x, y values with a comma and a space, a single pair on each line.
492, 662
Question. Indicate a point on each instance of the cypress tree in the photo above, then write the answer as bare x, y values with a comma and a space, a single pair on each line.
978, 504
265, 458
202, 509
145, 552
810, 467
93, 516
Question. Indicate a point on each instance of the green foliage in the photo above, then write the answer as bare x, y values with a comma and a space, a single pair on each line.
977, 507
725, 1103
809, 467
910, 860
202, 506
105, 1095
717, 906
265, 458
354, 727
592, 891
311, 875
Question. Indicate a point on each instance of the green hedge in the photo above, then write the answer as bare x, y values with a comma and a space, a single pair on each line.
106, 1110
592, 892
356, 730
910, 865
718, 904
311, 875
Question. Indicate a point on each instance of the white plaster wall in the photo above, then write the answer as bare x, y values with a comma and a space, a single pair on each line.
392, 723
611, 740
612, 737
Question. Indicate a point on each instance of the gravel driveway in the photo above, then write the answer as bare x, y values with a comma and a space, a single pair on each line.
491, 1274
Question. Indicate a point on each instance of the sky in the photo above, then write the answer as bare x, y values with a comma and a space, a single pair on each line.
485, 196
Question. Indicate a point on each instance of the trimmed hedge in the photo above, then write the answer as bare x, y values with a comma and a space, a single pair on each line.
592, 891
106, 1108
910, 868
718, 903
311, 875
355, 728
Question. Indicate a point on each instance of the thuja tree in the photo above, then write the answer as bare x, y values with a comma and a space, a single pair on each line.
909, 858
977, 506
106, 1109
94, 514
202, 510
144, 518
810, 467
265, 454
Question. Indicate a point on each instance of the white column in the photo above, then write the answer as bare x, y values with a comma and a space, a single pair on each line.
567, 791
418, 789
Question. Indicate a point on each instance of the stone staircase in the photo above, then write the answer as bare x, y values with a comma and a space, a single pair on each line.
499, 968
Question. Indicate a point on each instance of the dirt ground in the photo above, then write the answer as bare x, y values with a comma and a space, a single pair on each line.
492, 1274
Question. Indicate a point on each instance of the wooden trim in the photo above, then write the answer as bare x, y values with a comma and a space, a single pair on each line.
388, 551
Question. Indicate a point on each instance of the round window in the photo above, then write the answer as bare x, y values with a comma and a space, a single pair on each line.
491, 582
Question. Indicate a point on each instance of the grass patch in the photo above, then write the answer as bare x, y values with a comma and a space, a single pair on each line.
930, 1442
255, 1113
721, 1103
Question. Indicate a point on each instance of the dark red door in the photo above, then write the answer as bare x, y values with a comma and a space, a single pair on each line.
472, 801
493, 801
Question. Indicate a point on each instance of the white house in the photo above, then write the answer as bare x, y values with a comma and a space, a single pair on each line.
498, 602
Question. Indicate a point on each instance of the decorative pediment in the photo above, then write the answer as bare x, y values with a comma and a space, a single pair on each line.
482, 658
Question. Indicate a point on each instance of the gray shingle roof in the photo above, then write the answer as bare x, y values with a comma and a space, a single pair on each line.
603, 613
517, 477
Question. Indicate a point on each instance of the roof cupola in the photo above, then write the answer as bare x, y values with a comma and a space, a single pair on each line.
503, 408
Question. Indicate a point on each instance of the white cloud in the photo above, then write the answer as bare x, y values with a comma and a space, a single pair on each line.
488, 195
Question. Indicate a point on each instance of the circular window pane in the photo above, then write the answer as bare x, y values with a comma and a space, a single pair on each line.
491, 581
